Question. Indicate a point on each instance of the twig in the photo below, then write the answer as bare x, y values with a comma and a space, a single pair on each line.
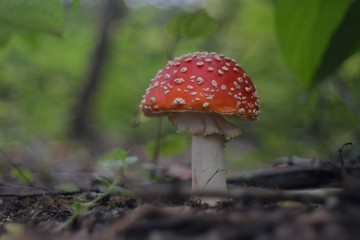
156, 155
289, 178
50, 193
244, 193
157, 147
155, 191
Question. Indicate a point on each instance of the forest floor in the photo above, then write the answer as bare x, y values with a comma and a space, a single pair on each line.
261, 207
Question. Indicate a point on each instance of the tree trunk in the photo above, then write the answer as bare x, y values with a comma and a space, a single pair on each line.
80, 126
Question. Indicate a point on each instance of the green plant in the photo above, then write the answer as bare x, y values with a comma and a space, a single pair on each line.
317, 36
13, 231
78, 207
117, 160
31, 16
22, 174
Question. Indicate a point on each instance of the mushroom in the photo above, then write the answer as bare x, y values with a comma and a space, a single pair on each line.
196, 91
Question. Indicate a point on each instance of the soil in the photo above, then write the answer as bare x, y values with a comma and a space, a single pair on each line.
157, 212
312, 202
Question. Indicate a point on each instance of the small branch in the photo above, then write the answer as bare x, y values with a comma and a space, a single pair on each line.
289, 178
50, 193
178, 191
156, 156
243, 193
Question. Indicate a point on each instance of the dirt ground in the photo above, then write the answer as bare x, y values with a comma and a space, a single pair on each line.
167, 212
117, 217
305, 202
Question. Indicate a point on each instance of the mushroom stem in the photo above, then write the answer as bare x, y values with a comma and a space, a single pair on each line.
209, 133
208, 165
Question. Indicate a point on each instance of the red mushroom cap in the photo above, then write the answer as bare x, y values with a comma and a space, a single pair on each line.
202, 82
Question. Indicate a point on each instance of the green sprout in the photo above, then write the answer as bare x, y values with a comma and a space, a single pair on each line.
22, 174
118, 160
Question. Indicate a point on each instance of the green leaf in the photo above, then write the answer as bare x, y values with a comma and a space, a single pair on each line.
106, 182
170, 145
130, 160
123, 191
78, 207
192, 25
67, 187
118, 163
13, 229
304, 30
35, 15
22, 174
119, 153
115, 154
344, 43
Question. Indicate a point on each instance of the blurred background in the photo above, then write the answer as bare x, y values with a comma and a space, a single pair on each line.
72, 74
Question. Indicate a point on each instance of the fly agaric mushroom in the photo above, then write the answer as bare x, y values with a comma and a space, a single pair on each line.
196, 91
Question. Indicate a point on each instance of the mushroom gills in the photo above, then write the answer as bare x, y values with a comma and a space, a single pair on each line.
204, 124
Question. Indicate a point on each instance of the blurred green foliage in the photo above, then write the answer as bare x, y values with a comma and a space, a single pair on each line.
304, 30
36, 15
41, 75
170, 145
117, 160
191, 25
67, 187
22, 174
317, 36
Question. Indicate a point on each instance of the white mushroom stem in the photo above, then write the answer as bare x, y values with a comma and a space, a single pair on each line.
210, 131
208, 164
